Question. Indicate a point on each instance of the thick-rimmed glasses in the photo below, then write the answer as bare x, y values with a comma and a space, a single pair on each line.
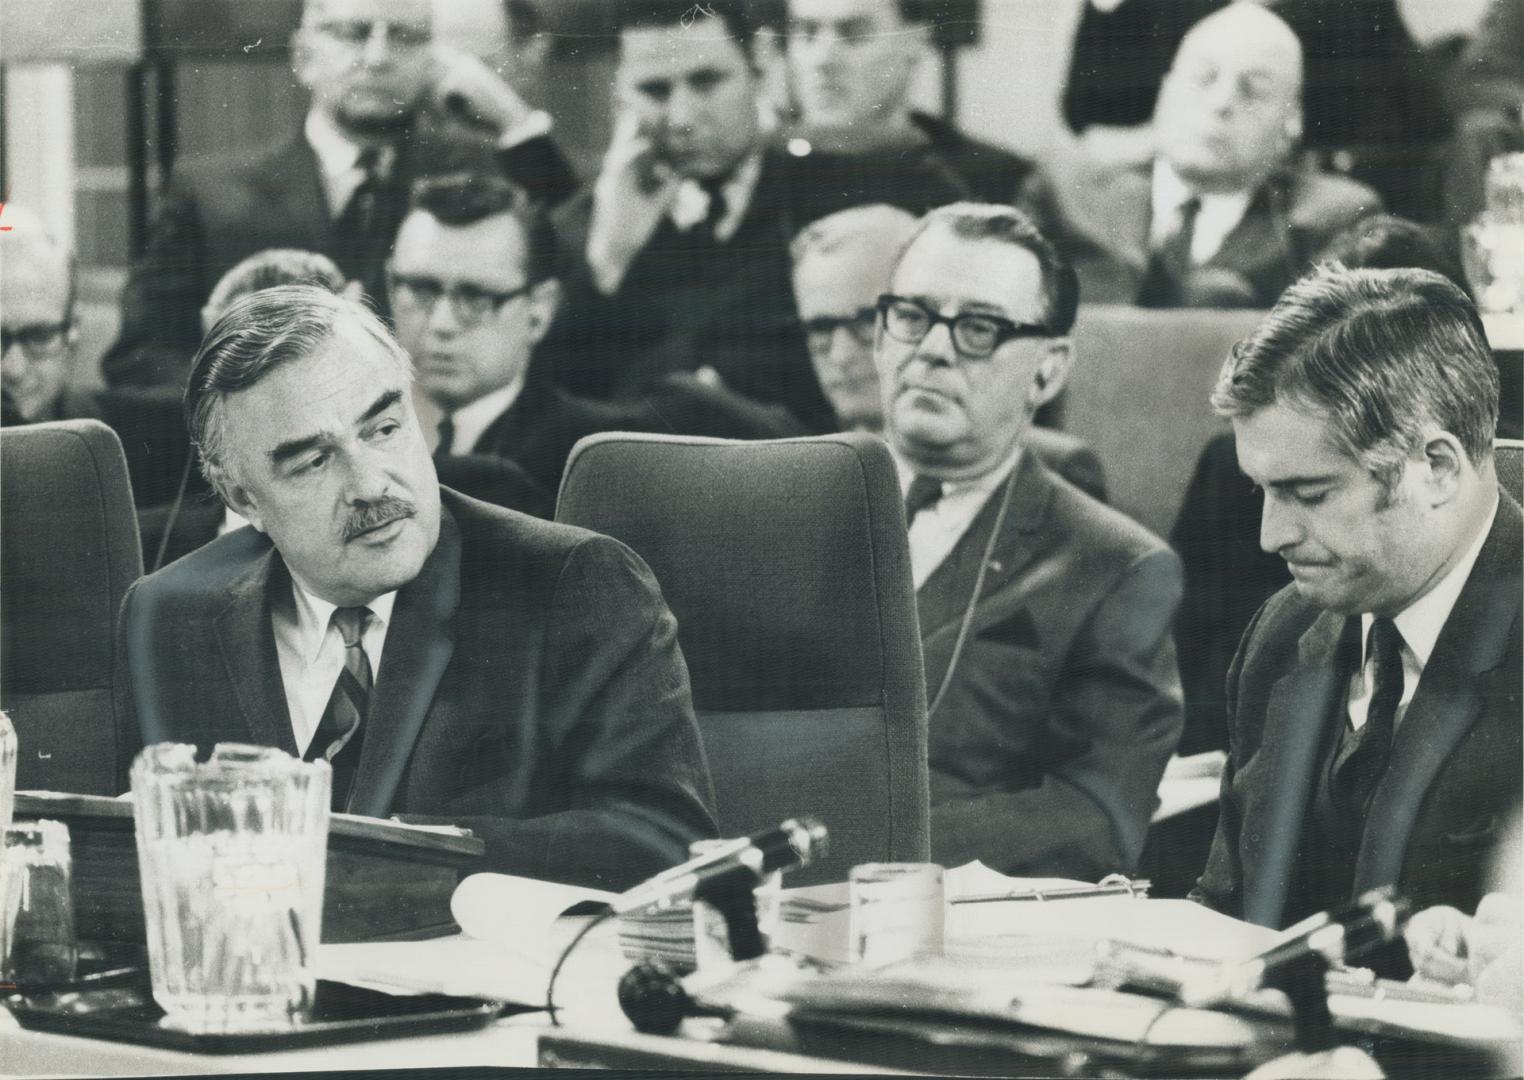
469, 303
819, 331
39, 341
974, 336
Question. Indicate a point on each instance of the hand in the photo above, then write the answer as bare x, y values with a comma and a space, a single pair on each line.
1437, 943
467, 88
1495, 950
634, 189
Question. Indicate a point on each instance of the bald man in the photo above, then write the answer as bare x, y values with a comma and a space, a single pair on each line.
37, 312
1218, 217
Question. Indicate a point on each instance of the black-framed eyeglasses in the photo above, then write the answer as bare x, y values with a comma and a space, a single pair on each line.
973, 335
469, 303
819, 331
39, 341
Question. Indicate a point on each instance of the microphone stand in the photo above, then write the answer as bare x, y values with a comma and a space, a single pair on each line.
733, 894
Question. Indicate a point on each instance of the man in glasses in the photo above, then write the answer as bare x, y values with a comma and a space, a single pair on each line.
37, 278
388, 104
473, 292
1045, 616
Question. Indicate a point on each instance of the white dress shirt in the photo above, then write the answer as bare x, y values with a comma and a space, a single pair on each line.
691, 203
311, 653
472, 420
937, 529
1419, 624
338, 159
1218, 216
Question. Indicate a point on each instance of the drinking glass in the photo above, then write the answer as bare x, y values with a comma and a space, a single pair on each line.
232, 854
37, 942
896, 911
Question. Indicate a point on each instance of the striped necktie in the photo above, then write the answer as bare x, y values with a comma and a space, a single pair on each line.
340, 733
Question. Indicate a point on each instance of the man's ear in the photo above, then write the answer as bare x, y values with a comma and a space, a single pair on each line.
544, 299
238, 500
1052, 371
1445, 462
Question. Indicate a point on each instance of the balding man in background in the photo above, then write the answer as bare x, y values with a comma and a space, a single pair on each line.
37, 282
1218, 217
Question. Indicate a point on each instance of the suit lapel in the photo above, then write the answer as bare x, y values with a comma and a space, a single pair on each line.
943, 598
244, 632
1449, 699
1299, 715
419, 644
293, 189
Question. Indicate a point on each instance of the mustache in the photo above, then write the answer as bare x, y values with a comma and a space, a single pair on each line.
373, 515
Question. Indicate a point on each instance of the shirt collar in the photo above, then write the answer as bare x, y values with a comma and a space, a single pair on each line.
1422, 620
313, 615
472, 420
1170, 193
984, 482
691, 204
338, 158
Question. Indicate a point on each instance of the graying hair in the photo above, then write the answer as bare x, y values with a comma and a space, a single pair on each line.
257, 334
1386, 354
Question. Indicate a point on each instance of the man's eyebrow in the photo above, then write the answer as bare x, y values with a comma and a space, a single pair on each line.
296, 447
381, 404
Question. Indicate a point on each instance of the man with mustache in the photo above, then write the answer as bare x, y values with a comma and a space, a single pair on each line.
453, 661
1045, 615
1373, 705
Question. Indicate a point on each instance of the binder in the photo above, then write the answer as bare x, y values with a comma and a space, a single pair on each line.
385, 880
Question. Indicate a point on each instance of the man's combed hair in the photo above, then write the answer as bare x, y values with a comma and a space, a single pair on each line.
464, 198
635, 14
1007, 225
1386, 354
256, 335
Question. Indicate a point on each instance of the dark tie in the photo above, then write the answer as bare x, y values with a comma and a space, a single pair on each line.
340, 733
1170, 263
446, 438
924, 490
1370, 748
365, 228
716, 212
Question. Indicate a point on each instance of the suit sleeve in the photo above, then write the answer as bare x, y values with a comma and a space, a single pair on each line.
1220, 886
625, 756
1118, 697
161, 304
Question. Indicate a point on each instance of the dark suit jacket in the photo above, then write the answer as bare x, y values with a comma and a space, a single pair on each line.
1099, 217
1048, 747
990, 173
1227, 577
531, 689
1439, 812
684, 304
216, 212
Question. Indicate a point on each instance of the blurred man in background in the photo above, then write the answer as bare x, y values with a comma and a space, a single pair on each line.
1217, 217
852, 64
37, 282
387, 106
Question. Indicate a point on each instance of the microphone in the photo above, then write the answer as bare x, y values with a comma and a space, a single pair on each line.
1335, 936
794, 843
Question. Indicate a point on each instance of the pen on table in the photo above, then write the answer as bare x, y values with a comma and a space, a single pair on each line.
1131, 887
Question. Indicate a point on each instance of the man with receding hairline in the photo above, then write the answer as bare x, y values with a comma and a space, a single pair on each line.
1374, 704
453, 661
37, 284
1219, 216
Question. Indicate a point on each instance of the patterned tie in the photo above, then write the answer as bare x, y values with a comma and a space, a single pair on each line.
1362, 769
340, 733
924, 491
446, 439
1170, 264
